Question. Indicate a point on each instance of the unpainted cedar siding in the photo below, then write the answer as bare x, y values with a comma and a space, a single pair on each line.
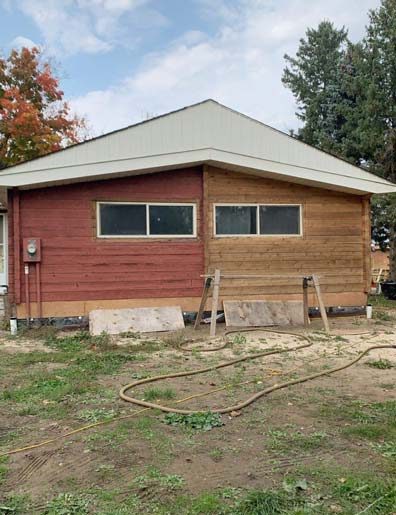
76, 265
333, 244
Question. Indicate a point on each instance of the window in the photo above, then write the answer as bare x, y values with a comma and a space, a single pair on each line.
257, 220
279, 219
236, 220
126, 219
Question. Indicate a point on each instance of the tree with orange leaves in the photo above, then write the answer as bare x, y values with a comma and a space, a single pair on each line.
34, 118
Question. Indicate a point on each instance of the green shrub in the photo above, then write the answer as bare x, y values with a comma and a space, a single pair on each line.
201, 421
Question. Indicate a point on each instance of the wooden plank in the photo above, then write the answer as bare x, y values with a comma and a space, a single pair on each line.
322, 307
305, 302
141, 320
258, 313
205, 294
215, 301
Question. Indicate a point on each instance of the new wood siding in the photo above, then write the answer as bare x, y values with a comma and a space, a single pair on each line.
77, 266
334, 242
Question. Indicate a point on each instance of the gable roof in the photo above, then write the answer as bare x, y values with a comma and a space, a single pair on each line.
207, 132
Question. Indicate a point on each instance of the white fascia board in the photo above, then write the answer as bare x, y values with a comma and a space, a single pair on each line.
145, 164
318, 178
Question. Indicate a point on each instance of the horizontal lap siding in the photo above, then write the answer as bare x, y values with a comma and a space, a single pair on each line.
332, 245
76, 265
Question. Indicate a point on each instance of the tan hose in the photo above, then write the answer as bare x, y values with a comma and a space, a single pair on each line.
183, 348
251, 399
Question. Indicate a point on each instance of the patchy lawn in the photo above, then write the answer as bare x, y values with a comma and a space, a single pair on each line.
322, 447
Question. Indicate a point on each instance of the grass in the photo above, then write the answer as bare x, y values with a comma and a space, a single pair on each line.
14, 504
3, 469
381, 364
113, 438
383, 316
381, 301
154, 478
386, 449
152, 394
281, 440
68, 504
175, 339
96, 414
40, 391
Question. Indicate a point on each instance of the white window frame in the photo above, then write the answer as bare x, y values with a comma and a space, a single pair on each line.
147, 235
258, 234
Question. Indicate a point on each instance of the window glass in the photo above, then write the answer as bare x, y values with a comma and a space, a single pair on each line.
279, 220
123, 219
236, 220
171, 220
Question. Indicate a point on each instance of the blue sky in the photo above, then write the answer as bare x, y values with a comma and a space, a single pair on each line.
123, 60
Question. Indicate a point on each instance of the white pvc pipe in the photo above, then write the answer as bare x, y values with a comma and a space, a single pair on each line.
13, 326
369, 312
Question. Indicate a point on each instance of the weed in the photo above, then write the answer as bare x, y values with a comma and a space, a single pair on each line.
282, 440
174, 339
43, 332
239, 339
96, 415
216, 454
115, 503
265, 503
144, 426
154, 476
129, 334
381, 301
68, 504
204, 421
387, 386
3, 468
360, 492
113, 437
230, 492
381, 364
14, 505
152, 394
339, 338
105, 470
368, 431
386, 449
69, 342
139, 375
382, 316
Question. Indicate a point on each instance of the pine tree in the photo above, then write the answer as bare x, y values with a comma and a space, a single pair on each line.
378, 124
315, 77
346, 94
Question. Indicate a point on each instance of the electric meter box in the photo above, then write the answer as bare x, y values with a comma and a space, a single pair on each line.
31, 250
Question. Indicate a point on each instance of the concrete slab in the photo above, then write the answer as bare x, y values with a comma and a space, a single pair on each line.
260, 313
138, 320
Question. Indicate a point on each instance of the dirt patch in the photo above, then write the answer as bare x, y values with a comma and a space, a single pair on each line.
295, 429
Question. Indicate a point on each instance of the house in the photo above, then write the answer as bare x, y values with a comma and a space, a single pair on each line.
134, 218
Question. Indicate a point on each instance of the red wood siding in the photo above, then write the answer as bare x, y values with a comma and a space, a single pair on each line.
78, 266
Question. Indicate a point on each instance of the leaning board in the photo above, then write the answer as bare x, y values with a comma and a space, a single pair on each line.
256, 313
139, 320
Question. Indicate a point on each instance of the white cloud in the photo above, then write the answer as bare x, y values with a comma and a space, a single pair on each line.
81, 26
21, 41
241, 65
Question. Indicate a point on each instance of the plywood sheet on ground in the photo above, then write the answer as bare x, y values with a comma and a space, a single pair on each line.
140, 320
256, 313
